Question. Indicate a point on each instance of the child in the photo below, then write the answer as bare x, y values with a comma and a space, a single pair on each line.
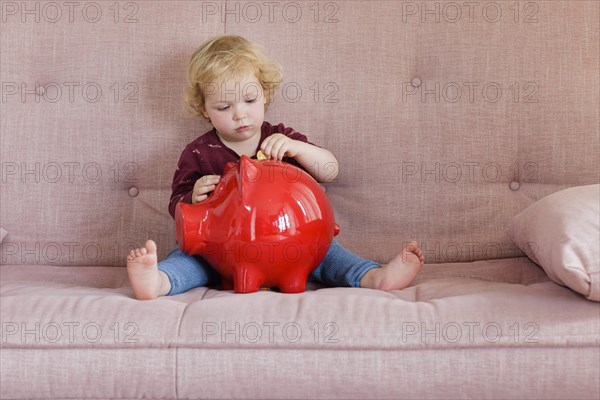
231, 84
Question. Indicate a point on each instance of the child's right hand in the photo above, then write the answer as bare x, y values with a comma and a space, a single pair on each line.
203, 187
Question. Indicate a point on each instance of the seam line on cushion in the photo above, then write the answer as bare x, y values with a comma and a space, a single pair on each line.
179, 347
177, 372
183, 313
177, 351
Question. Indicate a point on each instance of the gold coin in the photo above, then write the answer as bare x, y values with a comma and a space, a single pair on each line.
260, 155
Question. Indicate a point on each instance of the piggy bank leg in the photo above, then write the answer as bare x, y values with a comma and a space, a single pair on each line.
294, 283
247, 279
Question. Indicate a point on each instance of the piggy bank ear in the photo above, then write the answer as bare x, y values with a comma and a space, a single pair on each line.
229, 166
248, 169
249, 173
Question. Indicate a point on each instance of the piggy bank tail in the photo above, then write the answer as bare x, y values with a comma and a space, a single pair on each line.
336, 229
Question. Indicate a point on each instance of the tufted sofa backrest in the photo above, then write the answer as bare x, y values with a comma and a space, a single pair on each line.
447, 118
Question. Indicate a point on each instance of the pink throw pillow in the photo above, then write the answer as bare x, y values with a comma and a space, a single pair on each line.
561, 233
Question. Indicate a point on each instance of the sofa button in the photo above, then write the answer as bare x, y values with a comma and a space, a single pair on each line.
416, 82
134, 191
514, 185
40, 90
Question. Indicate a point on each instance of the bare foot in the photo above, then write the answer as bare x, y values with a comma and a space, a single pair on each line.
398, 273
145, 278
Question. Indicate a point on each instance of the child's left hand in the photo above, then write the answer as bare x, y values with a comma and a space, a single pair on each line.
278, 146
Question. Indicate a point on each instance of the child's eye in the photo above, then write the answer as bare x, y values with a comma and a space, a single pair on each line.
222, 108
251, 100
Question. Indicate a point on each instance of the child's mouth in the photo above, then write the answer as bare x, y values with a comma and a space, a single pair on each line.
242, 128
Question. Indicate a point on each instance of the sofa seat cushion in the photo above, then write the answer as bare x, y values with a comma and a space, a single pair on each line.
495, 295
83, 319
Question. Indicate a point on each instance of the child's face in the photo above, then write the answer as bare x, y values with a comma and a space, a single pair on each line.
236, 108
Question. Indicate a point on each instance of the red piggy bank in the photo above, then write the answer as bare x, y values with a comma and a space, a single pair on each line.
267, 223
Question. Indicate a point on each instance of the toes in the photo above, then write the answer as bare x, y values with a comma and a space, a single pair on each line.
412, 246
132, 255
150, 246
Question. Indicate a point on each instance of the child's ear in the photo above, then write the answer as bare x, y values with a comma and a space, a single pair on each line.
204, 112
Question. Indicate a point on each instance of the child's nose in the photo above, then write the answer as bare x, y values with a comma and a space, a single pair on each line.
240, 112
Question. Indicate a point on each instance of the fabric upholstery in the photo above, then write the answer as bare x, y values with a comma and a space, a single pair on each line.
447, 122
411, 167
462, 330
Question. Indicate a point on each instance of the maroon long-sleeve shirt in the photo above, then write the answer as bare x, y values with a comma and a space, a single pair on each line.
207, 155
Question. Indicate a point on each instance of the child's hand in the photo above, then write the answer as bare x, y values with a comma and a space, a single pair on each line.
203, 186
278, 146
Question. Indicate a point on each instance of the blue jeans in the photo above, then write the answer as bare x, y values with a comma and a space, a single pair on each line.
340, 267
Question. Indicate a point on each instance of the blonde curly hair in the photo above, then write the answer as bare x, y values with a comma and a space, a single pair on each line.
225, 57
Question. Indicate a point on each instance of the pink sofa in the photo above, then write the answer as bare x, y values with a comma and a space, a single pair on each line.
448, 119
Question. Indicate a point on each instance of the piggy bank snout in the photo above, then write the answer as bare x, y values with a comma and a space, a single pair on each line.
188, 225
